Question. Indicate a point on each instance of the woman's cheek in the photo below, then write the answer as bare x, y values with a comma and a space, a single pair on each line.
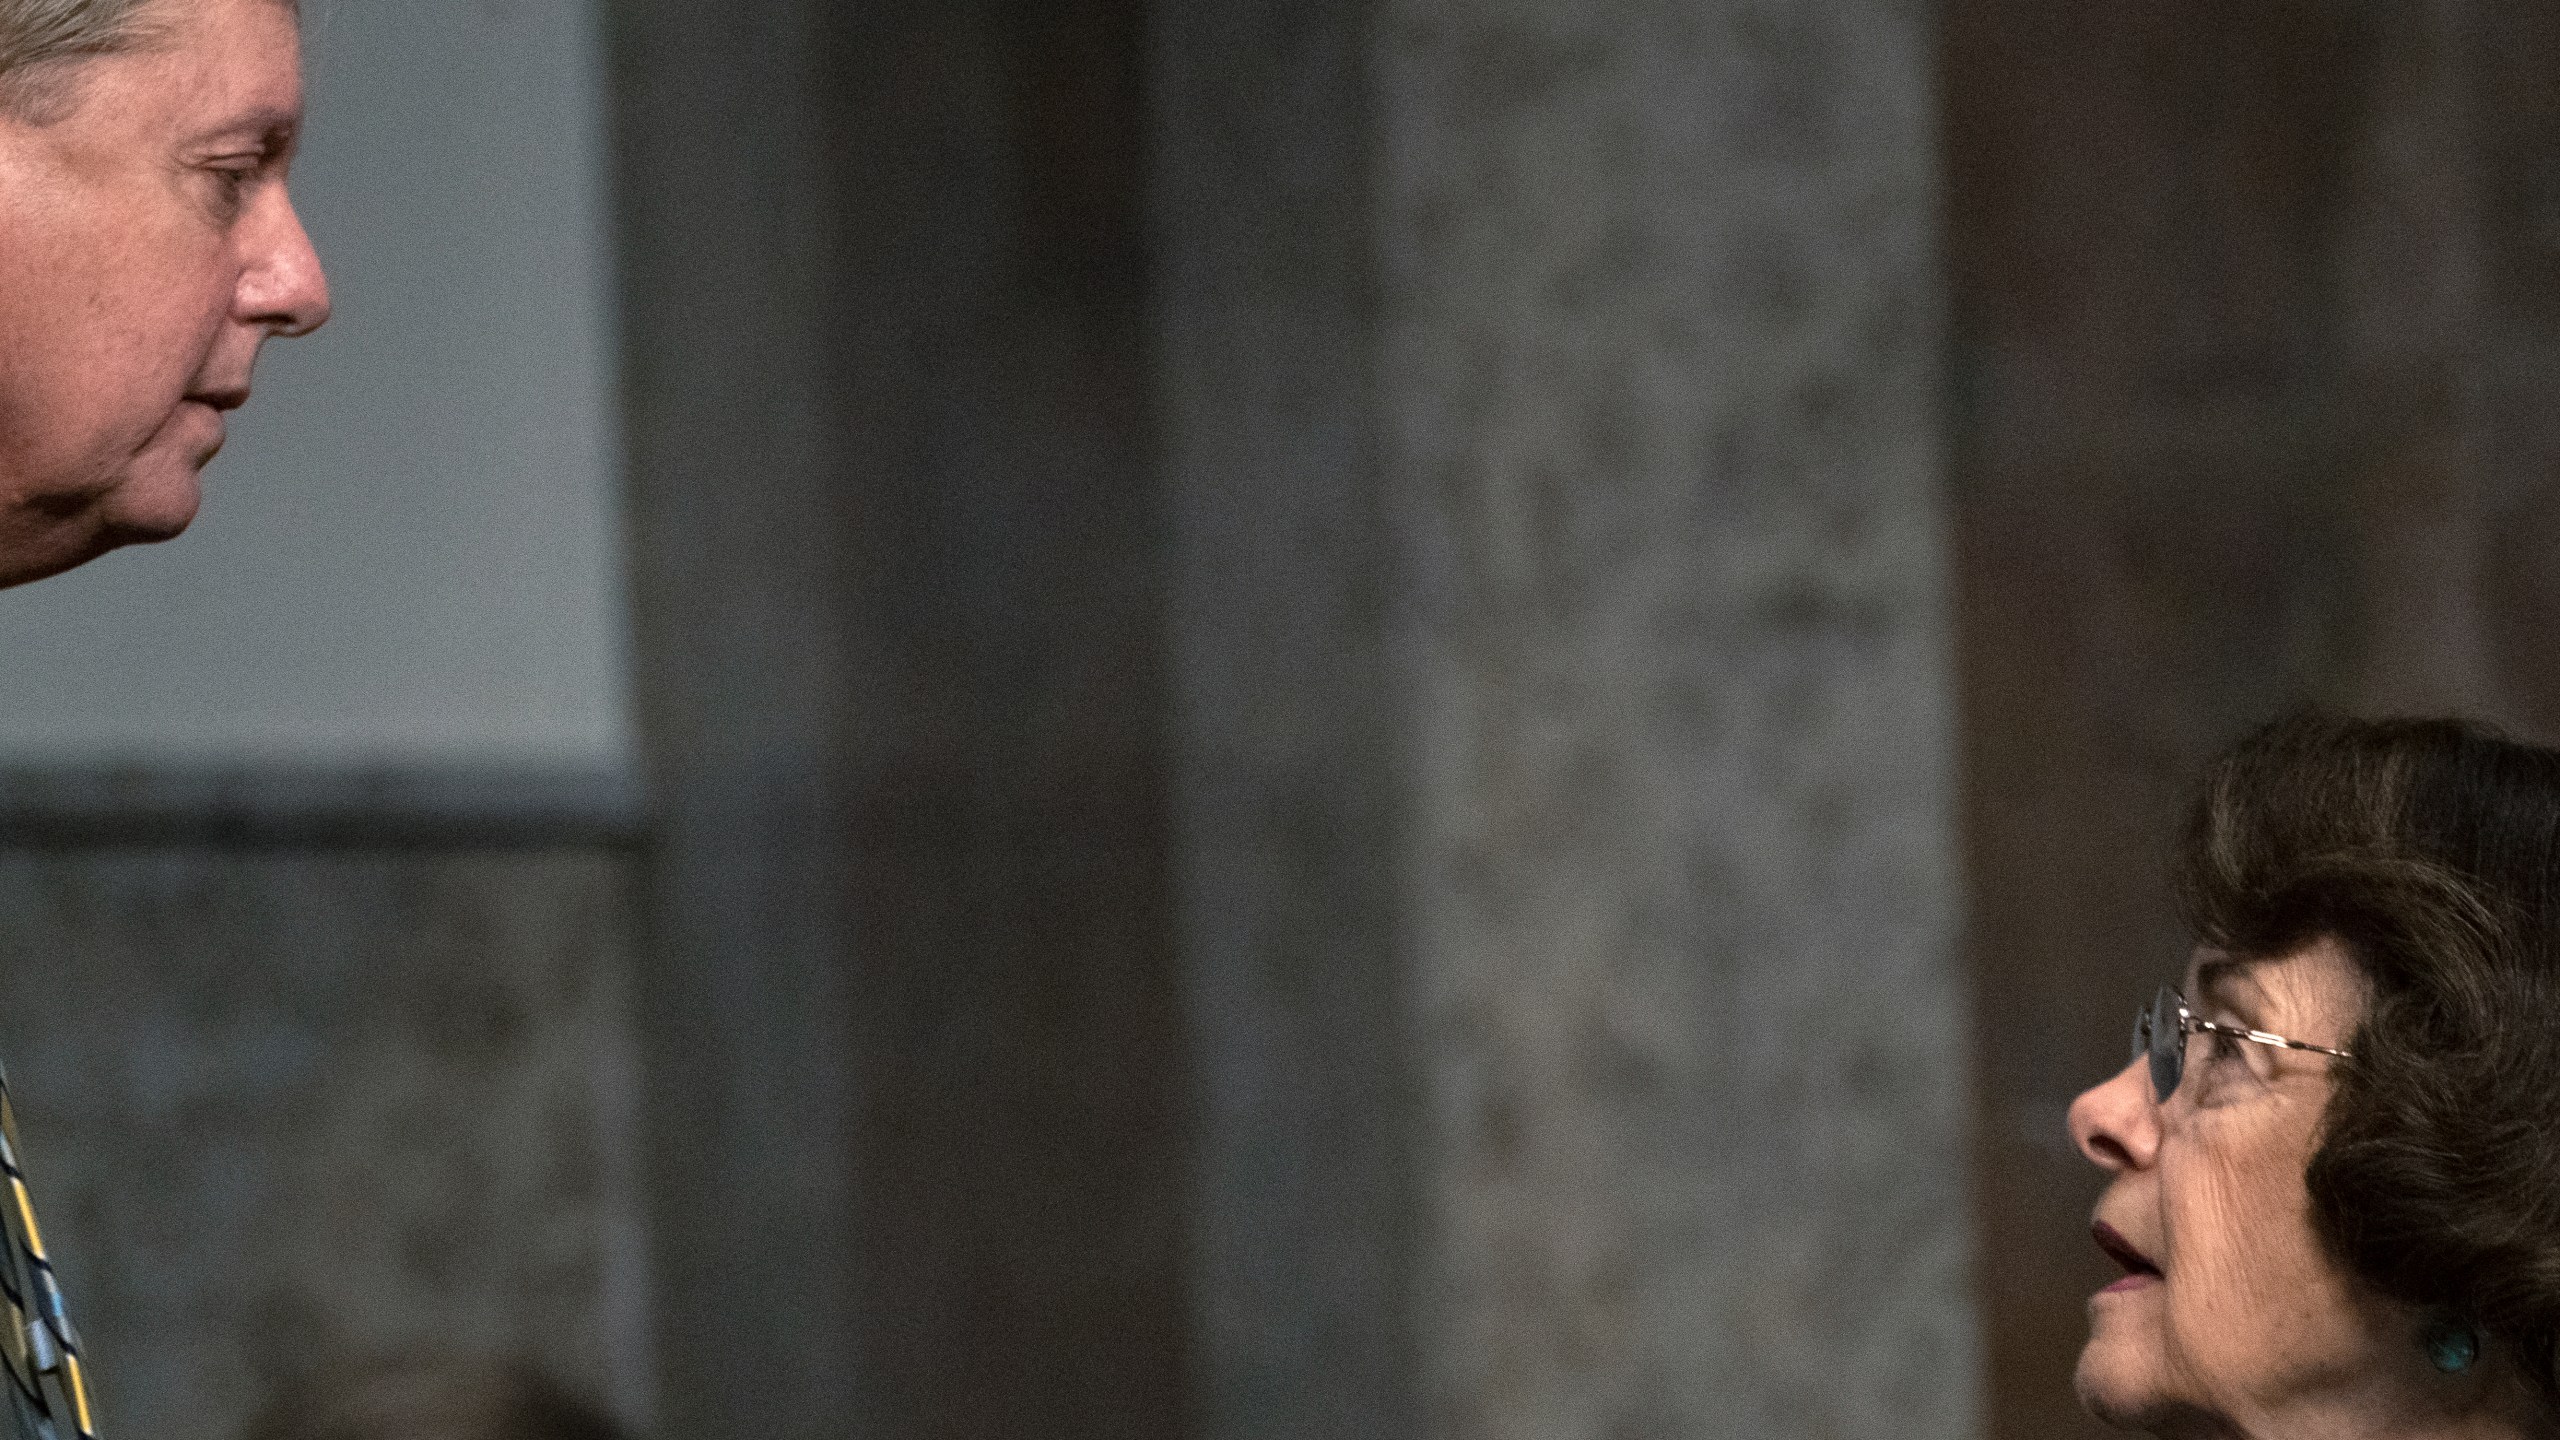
2248, 1285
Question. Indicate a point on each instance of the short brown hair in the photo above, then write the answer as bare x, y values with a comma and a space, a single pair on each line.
2430, 849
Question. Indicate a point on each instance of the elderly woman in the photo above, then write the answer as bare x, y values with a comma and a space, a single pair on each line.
2335, 1156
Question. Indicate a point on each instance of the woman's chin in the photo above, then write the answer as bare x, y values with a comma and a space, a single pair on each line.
2117, 1380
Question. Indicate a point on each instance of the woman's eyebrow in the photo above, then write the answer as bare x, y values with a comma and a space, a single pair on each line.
2216, 980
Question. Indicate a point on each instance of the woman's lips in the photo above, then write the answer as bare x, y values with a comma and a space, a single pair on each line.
2138, 1269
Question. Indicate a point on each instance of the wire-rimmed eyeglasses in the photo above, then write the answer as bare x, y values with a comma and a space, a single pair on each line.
2160, 1032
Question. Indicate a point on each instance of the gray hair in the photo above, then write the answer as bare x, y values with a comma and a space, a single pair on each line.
40, 39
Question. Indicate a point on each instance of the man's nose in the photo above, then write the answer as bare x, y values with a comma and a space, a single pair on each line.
283, 288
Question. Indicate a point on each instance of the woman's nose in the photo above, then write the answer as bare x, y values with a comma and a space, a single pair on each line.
2114, 1122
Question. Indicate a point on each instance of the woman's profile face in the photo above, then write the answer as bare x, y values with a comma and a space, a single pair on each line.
2231, 1315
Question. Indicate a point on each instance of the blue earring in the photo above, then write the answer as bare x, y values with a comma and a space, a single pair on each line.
2453, 1345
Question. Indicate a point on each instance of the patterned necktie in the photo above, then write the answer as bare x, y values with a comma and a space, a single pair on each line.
42, 1349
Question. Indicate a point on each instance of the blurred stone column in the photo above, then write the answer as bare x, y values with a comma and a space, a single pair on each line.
744, 553
1662, 369
1567, 764
913, 1031
1288, 716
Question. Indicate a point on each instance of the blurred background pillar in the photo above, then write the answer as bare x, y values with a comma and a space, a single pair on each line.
743, 560
912, 1002
1288, 719
1568, 756
1661, 385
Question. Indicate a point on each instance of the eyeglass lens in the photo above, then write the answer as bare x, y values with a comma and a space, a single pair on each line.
2158, 1036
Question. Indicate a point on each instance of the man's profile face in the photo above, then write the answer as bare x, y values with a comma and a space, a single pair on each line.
147, 249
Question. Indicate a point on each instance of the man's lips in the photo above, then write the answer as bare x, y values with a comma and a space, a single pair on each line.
209, 434
2138, 1268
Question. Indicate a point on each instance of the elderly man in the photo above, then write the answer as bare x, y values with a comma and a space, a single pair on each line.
147, 250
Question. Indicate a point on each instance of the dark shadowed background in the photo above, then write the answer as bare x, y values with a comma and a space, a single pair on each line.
1403, 718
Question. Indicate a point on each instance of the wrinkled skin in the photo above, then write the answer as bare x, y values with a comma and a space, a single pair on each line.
2250, 1328
148, 249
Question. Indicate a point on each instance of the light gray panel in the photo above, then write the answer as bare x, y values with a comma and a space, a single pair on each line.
1663, 330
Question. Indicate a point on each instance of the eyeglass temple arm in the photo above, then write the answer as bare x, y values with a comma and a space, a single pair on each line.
2261, 1037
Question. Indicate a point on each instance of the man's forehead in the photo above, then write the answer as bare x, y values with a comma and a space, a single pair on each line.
213, 69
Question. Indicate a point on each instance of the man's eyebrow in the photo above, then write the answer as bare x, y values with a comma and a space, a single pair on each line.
274, 125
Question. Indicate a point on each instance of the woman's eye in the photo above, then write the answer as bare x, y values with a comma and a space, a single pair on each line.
2239, 1067
2222, 1067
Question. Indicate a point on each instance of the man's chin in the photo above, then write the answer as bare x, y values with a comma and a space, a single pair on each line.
156, 504
157, 494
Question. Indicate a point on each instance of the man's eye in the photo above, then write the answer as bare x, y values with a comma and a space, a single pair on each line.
231, 180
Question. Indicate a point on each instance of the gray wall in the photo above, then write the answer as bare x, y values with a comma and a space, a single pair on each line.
292, 1104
